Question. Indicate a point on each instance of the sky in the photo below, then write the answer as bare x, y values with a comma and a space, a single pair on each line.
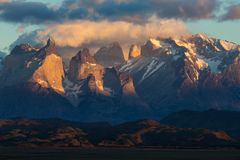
93, 23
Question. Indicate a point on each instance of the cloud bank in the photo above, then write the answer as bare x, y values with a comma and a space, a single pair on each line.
94, 23
233, 13
26, 12
85, 32
138, 11
92, 34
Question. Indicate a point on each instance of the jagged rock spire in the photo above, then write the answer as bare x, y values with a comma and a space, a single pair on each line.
150, 47
84, 56
51, 46
82, 65
134, 52
111, 55
51, 41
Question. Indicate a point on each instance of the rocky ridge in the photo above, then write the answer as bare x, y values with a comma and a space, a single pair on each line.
165, 76
143, 133
188, 73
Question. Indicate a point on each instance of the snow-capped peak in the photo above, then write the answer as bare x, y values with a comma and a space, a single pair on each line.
227, 45
199, 53
155, 42
201, 35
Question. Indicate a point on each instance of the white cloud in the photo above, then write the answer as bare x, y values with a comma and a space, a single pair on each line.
94, 33
73, 35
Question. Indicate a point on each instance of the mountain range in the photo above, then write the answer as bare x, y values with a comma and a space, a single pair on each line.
141, 133
162, 76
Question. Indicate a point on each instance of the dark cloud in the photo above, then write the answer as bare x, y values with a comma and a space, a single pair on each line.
80, 13
126, 10
193, 9
26, 12
183, 9
233, 13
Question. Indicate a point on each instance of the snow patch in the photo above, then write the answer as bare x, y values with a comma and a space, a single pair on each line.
213, 64
73, 90
152, 68
134, 65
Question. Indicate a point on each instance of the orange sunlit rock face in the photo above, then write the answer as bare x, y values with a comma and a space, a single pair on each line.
134, 52
50, 74
83, 65
27, 64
